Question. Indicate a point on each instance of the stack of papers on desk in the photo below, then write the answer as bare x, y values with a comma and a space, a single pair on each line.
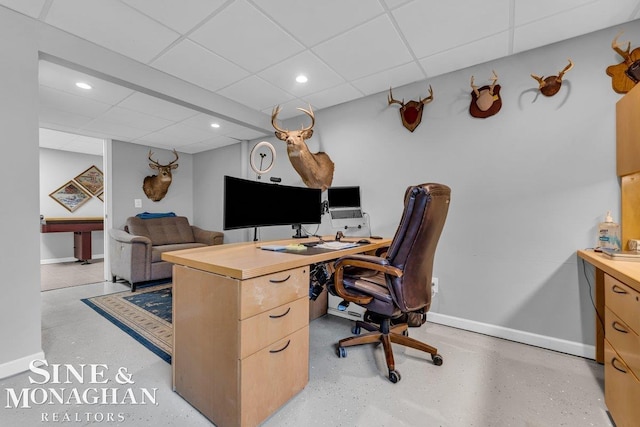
622, 255
336, 245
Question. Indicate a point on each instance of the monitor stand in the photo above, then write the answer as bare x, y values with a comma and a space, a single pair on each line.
298, 228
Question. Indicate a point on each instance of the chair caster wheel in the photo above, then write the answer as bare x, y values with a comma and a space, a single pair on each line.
341, 352
405, 332
394, 376
356, 330
437, 359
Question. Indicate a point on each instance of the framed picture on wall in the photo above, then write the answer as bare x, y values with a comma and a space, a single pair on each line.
71, 195
101, 196
92, 180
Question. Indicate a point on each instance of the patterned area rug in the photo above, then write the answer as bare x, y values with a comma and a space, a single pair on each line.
144, 314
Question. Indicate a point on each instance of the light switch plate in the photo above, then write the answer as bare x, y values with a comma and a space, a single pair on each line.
137, 203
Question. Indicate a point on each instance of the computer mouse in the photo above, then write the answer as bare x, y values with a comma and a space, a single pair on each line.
363, 241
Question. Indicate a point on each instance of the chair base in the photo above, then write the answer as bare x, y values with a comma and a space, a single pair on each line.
386, 334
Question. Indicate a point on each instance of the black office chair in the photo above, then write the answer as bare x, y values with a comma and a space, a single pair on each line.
399, 283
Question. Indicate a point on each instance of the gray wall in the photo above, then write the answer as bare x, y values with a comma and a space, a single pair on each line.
529, 185
56, 168
20, 330
131, 166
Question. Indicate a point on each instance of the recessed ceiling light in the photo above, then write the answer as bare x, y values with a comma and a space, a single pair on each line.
301, 78
83, 85
215, 125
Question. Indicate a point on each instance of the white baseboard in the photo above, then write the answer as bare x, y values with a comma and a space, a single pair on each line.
550, 343
19, 365
70, 259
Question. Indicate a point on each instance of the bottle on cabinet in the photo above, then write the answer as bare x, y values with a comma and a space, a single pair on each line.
608, 234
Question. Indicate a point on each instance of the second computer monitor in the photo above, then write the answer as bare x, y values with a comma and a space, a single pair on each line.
344, 208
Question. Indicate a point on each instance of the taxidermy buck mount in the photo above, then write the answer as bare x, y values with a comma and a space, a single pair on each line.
626, 74
549, 86
411, 112
156, 186
315, 169
485, 101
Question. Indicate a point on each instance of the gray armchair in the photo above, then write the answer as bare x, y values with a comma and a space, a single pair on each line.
135, 252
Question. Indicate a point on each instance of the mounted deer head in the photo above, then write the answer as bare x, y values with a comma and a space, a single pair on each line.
626, 74
156, 186
485, 101
411, 112
316, 170
551, 85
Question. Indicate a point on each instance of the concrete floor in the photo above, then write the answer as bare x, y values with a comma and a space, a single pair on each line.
484, 381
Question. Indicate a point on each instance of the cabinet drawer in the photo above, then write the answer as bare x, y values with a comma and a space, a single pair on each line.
623, 301
272, 376
265, 328
623, 340
272, 290
621, 389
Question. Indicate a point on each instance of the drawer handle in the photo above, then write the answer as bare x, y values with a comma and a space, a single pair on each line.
618, 327
618, 290
280, 281
287, 345
280, 315
613, 363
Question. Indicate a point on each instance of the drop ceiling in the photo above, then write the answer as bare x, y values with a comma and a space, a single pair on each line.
250, 52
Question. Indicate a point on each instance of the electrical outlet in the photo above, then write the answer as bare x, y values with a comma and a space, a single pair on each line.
137, 203
434, 286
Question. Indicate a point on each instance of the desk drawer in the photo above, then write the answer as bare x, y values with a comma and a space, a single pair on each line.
272, 290
624, 340
272, 376
621, 389
623, 301
263, 329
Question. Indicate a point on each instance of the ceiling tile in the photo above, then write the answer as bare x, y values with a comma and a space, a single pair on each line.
64, 101
243, 35
399, 76
135, 119
31, 8
334, 96
65, 79
284, 73
365, 50
193, 63
529, 11
116, 130
473, 53
312, 22
57, 119
179, 15
183, 134
113, 25
157, 107
392, 4
434, 26
255, 93
592, 17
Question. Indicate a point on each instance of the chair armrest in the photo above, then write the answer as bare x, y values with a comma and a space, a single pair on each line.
207, 237
124, 237
369, 262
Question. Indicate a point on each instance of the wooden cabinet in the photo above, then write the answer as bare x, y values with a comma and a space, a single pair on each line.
622, 351
240, 346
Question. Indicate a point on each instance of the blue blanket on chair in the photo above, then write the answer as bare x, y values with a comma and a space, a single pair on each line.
148, 215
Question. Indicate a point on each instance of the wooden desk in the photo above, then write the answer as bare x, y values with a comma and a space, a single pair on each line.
241, 327
81, 227
617, 293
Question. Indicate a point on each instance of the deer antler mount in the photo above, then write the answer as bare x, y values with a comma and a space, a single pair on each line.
626, 74
411, 112
549, 86
156, 186
315, 169
485, 101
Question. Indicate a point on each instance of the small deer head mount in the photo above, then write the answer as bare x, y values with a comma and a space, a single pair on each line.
626, 74
156, 186
315, 169
485, 101
411, 112
549, 86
